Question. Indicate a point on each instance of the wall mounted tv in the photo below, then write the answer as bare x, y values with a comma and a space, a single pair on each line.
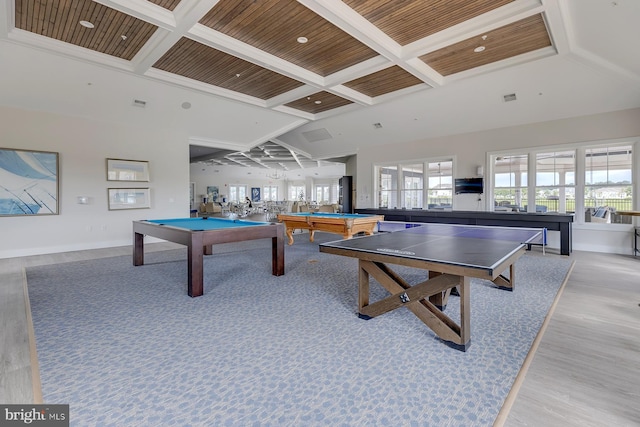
469, 186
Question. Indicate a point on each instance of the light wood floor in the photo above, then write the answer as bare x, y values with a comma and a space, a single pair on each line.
585, 371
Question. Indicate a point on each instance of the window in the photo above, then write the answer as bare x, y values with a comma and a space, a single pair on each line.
323, 193
417, 185
270, 192
555, 182
237, 193
510, 182
297, 192
592, 181
440, 193
413, 184
388, 187
608, 182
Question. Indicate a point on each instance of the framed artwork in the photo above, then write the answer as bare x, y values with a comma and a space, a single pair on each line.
28, 182
212, 193
255, 194
127, 170
128, 198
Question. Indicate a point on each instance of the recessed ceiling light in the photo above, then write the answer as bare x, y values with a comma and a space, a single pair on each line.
123, 37
318, 102
302, 40
186, 105
479, 49
377, 125
86, 24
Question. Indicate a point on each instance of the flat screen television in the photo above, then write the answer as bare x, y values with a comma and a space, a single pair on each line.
468, 186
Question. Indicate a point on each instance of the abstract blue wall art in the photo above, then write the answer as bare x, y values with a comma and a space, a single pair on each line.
28, 182
255, 194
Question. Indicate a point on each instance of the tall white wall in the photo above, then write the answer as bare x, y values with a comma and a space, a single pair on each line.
470, 151
83, 148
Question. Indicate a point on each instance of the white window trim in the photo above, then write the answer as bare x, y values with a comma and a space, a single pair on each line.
425, 187
580, 168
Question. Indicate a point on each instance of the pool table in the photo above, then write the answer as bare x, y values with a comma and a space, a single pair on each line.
199, 234
345, 224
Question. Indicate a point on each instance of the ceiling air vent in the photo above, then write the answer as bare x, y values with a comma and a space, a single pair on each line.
509, 97
139, 103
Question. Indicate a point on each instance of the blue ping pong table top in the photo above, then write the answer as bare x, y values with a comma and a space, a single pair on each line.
461, 245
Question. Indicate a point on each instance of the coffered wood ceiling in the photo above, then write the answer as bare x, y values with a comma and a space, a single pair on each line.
357, 53
359, 56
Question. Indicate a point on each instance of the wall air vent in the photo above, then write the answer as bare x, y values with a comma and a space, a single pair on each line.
509, 97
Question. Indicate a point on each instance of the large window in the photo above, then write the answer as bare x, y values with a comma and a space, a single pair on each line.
510, 182
416, 185
555, 182
594, 182
270, 192
413, 184
388, 187
237, 193
297, 192
608, 182
323, 193
440, 192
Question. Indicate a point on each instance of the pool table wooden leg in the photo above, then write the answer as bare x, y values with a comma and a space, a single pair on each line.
311, 234
277, 256
138, 249
289, 233
195, 284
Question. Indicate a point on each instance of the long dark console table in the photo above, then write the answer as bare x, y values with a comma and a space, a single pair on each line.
550, 221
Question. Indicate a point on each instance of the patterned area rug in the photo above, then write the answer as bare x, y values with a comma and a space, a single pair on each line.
126, 346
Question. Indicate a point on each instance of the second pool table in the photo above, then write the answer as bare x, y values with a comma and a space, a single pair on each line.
199, 234
345, 224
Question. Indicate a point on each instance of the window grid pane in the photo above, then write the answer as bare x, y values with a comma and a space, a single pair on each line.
413, 185
510, 182
555, 182
387, 185
440, 193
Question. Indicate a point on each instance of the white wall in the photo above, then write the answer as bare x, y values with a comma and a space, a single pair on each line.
470, 151
83, 148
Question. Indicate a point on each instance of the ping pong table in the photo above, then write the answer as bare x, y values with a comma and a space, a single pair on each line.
452, 254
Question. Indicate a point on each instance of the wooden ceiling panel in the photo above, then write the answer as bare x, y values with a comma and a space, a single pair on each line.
406, 21
319, 102
196, 61
167, 4
524, 36
275, 25
385, 81
114, 33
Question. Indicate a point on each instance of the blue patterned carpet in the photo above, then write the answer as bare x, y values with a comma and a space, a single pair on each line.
126, 346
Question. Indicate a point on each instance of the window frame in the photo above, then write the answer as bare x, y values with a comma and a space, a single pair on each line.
399, 191
580, 170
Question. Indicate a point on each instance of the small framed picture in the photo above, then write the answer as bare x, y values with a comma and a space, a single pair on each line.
127, 170
129, 198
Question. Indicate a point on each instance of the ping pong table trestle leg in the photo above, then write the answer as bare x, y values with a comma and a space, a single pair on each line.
416, 299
